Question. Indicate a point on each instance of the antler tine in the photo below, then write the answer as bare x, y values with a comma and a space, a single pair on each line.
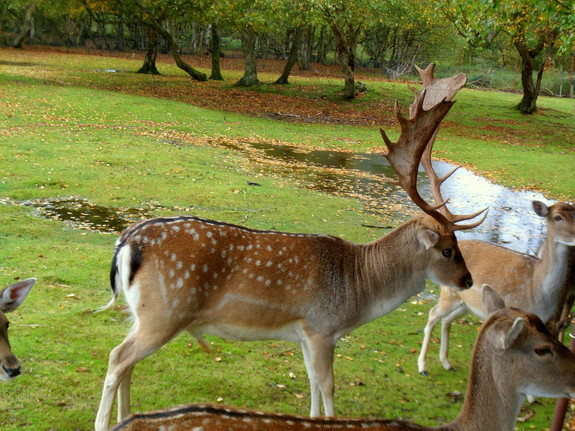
439, 89
416, 139
435, 185
405, 154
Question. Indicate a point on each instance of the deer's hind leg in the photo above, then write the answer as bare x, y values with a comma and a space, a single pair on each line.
145, 338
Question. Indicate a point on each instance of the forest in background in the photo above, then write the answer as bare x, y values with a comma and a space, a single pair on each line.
502, 45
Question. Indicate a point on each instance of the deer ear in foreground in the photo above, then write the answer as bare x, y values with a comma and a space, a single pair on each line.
492, 301
208, 277
514, 356
10, 299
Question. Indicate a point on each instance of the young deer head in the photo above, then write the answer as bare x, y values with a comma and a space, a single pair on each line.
208, 277
10, 299
514, 356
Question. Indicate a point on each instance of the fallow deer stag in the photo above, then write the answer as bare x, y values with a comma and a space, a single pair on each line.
534, 284
10, 299
208, 277
514, 355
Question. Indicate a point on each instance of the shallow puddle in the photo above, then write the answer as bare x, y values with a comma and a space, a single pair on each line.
511, 220
82, 214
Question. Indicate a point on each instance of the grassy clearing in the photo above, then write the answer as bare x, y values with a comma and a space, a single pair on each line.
70, 130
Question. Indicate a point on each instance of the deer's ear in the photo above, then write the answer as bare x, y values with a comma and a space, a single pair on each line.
428, 238
492, 301
506, 335
14, 295
540, 208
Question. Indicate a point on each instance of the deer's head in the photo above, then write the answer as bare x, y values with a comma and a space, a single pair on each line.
10, 299
415, 144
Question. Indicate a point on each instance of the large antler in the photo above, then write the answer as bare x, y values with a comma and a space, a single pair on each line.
417, 135
435, 183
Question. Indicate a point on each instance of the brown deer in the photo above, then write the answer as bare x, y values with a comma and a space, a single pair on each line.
514, 355
208, 277
534, 284
10, 299
562, 316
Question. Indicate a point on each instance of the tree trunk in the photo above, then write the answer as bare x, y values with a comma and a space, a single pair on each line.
215, 51
120, 38
572, 74
324, 44
27, 27
528, 103
149, 66
292, 57
345, 50
249, 47
102, 31
195, 74
305, 48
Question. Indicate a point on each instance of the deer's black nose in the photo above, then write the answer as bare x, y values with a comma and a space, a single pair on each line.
12, 372
468, 281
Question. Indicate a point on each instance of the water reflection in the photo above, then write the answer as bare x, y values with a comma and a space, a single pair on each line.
511, 220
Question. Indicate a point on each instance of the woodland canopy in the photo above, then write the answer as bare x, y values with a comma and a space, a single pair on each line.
486, 37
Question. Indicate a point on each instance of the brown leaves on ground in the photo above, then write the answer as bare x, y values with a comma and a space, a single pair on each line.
305, 103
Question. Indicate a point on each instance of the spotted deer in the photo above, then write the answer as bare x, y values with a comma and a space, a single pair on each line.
11, 298
209, 277
535, 284
514, 355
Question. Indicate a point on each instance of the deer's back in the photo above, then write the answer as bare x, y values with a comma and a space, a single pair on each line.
213, 418
506, 270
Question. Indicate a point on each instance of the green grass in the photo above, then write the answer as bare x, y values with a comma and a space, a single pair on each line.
66, 132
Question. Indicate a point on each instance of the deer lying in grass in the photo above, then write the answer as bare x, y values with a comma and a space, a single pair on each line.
514, 355
524, 281
10, 299
207, 277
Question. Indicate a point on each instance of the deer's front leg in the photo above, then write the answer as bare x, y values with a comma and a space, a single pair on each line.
318, 356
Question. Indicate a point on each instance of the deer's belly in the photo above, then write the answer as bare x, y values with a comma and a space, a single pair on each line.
287, 332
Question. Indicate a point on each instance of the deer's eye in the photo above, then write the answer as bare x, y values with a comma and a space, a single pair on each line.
447, 252
543, 351
558, 218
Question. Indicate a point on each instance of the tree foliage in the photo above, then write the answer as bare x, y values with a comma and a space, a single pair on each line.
533, 26
392, 35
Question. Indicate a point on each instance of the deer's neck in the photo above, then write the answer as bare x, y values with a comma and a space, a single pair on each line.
389, 271
492, 401
549, 274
